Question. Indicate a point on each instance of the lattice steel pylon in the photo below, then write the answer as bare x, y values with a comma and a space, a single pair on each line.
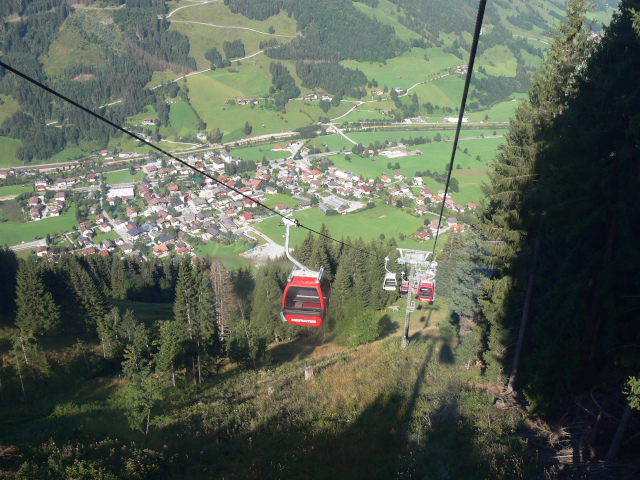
420, 267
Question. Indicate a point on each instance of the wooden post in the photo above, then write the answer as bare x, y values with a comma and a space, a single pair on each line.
308, 373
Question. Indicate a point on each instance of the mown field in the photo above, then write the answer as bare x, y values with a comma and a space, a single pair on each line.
257, 153
434, 156
8, 147
408, 69
13, 233
278, 198
367, 224
15, 190
122, 176
229, 254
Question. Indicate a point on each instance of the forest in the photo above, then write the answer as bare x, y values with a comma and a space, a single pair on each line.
124, 73
333, 30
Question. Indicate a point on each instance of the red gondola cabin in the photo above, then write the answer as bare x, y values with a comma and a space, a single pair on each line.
404, 287
426, 291
305, 298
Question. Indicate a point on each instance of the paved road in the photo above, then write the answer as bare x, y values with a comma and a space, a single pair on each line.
337, 130
28, 245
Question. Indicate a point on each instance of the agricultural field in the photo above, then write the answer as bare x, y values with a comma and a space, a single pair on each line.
367, 224
183, 120
335, 142
470, 182
213, 89
15, 189
8, 147
122, 176
68, 154
13, 233
434, 156
444, 92
256, 153
229, 254
277, 198
408, 69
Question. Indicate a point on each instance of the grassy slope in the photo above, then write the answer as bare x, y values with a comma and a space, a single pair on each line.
385, 13
377, 411
8, 147
218, 14
9, 107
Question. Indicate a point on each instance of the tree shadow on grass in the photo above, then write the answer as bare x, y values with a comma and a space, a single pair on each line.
300, 348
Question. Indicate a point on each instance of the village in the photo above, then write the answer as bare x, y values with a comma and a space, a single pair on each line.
168, 213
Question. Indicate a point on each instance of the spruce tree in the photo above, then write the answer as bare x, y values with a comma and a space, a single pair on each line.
224, 298
37, 312
185, 298
172, 334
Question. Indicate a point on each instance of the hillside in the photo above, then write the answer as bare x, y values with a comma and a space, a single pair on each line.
72, 58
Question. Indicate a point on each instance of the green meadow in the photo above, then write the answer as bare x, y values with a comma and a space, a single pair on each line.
183, 120
408, 69
8, 147
278, 198
385, 14
204, 37
470, 182
123, 176
15, 189
229, 254
8, 106
13, 233
217, 13
368, 224
256, 153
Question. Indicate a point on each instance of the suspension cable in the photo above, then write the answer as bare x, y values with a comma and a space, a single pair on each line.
170, 155
472, 57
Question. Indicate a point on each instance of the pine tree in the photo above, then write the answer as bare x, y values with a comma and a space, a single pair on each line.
513, 208
37, 312
205, 325
136, 354
185, 298
172, 334
265, 316
8, 272
304, 251
30, 361
224, 299
118, 285
107, 328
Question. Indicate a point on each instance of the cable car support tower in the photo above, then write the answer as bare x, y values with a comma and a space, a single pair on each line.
421, 268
